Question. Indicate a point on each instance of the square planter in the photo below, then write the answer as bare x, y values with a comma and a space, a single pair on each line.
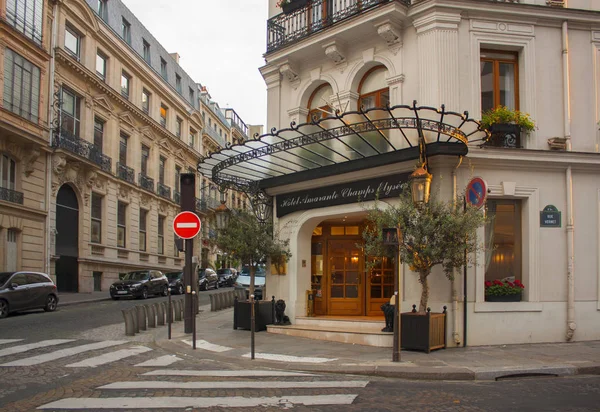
423, 331
293, 5
505, 135
264, 314
505, 298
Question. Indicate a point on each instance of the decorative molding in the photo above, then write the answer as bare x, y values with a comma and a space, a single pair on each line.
163, 207
29, 160
74, 172
501, 27
11, 222
391, 33
290, 74
437, 21
595, 36
127, 119
298, 113
336, 53
368, 55
124, 191
104, 102
146, 201
391, 81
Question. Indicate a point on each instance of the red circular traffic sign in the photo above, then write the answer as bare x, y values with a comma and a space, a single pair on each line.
476, 192
186, 225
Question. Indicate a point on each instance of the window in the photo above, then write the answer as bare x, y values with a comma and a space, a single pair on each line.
192, 138
191, 92
163, 115
71, 112
121, 224
177, 178
145, 157
503, 243
163, 68
8, 168
373, 88
126, 30
146, 51
101, 65
209, 122
499, 80
26, 17
178, 125
72, 42
11, 252
123, 149
21, 86
161, 235
125, 83
146, 101
96, 230
102, 9
178, 83
143, 218
161, 170
221, 132
317, 103
98, 133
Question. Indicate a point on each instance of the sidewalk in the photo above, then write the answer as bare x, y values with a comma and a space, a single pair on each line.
66, 299
216, 339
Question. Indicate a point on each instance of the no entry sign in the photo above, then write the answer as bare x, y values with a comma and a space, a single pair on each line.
476, 192
186, 225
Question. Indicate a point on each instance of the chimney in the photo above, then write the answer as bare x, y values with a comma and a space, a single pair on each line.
175, 57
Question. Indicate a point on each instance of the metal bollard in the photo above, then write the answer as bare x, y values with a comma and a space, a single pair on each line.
129, 329
212, 303
230, 295
219, 297
151, 316
177, 305
160, 314
141, 315
136, 324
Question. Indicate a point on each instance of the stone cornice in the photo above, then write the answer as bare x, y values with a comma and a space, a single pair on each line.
437, 20
8, 33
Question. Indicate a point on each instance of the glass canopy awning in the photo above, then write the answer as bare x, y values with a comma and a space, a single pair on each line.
339, 144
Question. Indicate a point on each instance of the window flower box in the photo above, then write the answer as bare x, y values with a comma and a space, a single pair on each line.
289, 6
499, 291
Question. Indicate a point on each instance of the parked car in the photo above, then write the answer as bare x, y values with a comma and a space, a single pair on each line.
207, 278
243, 281
176, 282
227, 276
140, 284
26, 290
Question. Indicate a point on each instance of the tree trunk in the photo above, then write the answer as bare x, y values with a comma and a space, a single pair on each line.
424, 291
252, 274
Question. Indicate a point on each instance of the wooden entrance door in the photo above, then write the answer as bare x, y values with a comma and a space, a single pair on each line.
346, 272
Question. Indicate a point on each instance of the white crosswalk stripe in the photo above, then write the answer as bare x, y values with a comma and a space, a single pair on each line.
139, 393
29, 346
160, 361
109, 357
4, 341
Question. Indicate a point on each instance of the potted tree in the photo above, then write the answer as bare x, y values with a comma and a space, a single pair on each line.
433, 234
289, 6
506, 126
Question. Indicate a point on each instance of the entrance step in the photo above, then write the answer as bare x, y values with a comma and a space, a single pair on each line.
356, 331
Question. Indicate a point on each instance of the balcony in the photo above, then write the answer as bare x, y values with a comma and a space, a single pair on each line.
206, 204
71, 143
317, 15
125, 173
164, 191
11, 195
213, 134
146, 182
177, 197
505, 135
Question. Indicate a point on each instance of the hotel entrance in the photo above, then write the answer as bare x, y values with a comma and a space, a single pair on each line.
342, 283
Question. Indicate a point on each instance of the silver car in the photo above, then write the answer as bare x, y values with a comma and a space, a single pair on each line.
25, 291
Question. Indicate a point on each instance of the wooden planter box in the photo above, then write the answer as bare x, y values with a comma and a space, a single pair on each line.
293, 6
506, 298
264, 314
423, 331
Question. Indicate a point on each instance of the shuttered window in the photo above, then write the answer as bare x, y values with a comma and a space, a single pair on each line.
21, 86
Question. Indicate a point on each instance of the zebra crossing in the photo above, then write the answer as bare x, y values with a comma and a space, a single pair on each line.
138, 394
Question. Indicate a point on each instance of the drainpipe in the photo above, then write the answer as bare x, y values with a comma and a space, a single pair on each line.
571, 324
455, 334
50, 122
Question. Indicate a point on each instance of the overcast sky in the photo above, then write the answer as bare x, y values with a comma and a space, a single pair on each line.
220, 44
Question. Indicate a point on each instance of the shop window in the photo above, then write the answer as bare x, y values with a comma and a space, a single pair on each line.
503, 240
338, 231
499, 80
318, 107
381, 281
373, 89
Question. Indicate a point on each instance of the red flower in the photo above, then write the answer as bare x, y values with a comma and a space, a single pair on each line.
512, 285
518, 282
497, 282
488, 283
522, 286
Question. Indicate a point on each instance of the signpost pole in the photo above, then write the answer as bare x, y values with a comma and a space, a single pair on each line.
187, 225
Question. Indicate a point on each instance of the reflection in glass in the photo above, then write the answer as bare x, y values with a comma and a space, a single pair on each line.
352, 277
351, 291
337, 291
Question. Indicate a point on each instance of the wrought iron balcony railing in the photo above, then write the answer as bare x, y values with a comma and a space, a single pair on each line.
210, 130
316, 15
177, 197
505, 135
164, 191
71, 143
146, 182
11, 195
206, 203
125, 173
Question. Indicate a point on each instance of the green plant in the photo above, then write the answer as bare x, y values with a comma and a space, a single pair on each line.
503, 114
437, 233
499, 288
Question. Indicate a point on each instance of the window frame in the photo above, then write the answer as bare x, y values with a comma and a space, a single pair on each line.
102, 9
143, 229
146, 107
162, 166
145, 156
146, 51
24, 99
123, 137
496, 74
99, 132
376, 93
125, 90
75, 53
163, 119
76, 115
11, 169
31, 25
125, 30
178, 83
163, 69
104, 58
178, 126
161, 235
122, 223
316, 113
94, 218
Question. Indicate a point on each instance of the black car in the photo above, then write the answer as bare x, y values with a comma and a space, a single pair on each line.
227, 276
26, 290
140, 284
207, 278
176, 282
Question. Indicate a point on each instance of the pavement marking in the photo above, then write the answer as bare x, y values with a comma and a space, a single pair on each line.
288, 358
160, 361
234, 385
197, 402
3, 341
222, 373
36, 360
202, 344
41, 344
109, 357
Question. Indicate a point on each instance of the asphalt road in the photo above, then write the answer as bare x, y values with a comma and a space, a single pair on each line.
71, 320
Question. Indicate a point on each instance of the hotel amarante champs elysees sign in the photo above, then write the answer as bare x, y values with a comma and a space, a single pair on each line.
351, 192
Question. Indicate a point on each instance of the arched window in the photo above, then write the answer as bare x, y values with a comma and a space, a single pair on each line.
8, 169
317, 104
373, 88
